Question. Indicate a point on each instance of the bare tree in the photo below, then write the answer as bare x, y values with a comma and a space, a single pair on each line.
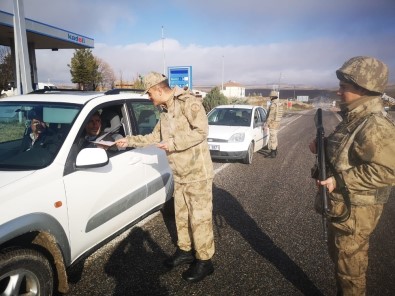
138, 82
6, 67
107, 74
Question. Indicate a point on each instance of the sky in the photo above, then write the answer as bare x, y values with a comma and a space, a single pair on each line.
251, 42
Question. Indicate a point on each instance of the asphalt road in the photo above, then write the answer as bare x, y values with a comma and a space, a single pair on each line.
268, 237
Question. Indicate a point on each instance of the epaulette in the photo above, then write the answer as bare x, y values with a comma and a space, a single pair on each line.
182, 94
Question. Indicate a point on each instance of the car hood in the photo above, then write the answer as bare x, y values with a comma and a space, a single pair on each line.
8, 177
225, 132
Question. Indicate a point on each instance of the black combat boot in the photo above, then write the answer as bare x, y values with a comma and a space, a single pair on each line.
198, 270
178, 258
273, 153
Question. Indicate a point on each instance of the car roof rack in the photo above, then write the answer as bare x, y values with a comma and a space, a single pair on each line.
54, 90
116, 91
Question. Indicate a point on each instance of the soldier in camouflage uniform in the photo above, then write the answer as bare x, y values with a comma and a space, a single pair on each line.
182, 132
273, 122
362, 152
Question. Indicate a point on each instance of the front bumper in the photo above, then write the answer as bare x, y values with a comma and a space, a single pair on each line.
228, 154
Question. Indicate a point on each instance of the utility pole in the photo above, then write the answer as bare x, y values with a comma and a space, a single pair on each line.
279, 83
222, 88
163, 49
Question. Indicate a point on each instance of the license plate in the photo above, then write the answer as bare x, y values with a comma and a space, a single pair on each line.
213, 147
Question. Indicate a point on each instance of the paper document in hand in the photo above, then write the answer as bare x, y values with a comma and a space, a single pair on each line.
104, 143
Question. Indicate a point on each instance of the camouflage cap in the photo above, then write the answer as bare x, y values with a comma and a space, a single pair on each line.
273, 94
151, 79
366, 72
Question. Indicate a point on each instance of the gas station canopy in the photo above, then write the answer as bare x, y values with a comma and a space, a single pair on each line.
43, 36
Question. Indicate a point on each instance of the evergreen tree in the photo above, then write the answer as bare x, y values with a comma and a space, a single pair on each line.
84, 70
214, 98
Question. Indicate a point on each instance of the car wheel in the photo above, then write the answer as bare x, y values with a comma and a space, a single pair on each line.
250, 152
25, 272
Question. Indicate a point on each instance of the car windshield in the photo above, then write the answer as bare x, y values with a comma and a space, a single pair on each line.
31, 134
230, 117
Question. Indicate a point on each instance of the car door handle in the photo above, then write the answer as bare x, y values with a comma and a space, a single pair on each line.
134, 160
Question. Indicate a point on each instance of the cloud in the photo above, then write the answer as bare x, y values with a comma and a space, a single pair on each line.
299, 63
252, 42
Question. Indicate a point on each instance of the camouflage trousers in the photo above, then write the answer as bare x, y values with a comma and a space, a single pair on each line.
193, 204
348, 245
272, 145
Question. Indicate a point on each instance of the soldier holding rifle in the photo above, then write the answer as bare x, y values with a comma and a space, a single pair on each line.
360, 157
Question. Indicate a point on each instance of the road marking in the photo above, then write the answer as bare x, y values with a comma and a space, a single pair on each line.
216, 171
290, 122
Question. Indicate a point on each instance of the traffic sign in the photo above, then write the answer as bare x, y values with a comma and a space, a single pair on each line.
180, 76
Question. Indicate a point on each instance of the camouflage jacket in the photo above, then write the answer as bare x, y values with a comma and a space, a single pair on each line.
362, 150
184, 127
276, 110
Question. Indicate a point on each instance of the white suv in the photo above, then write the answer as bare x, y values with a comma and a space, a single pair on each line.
60, 201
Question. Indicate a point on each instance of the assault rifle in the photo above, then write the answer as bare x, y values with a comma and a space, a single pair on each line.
321, 166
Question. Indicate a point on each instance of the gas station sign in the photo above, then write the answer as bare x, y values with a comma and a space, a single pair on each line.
180, 76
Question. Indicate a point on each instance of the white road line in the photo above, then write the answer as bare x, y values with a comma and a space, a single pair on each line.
288, 123
216, 171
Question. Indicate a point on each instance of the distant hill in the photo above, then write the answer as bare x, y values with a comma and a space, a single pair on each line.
390, 90
291, 93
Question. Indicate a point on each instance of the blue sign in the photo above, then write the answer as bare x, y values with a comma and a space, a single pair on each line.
180, 76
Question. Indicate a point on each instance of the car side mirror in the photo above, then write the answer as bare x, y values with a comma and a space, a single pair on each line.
91, 158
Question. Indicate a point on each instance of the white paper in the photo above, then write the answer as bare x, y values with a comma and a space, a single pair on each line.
104, 143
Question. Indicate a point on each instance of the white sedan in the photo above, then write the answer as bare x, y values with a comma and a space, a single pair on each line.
237, 131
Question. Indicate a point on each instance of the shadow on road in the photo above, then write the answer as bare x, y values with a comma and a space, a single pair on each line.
228, 208
265, 151
136, 265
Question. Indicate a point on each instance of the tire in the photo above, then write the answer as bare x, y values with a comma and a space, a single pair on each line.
25, 272
250, 153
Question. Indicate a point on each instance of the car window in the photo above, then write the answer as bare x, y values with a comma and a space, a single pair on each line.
31, 134
230, 117
103, 124
257, 117
262, 112
112, 121
146, 115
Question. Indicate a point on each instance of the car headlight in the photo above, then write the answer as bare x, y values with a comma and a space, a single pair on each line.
239, 137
